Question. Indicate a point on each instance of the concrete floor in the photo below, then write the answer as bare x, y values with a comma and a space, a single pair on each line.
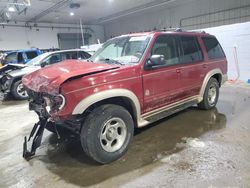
190, 149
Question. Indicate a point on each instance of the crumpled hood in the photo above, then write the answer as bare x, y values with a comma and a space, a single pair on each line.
49, 79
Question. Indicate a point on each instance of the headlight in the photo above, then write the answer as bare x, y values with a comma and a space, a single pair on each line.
59, 101
55, 103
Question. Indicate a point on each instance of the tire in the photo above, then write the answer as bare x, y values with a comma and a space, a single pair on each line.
211, 95
106, 133
18, 91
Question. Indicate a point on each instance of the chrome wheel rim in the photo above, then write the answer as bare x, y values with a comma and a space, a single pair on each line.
113, 134
212, 93
21, 91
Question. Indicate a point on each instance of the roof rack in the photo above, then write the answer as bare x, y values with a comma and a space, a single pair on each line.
172, 29
181, 30
198, 31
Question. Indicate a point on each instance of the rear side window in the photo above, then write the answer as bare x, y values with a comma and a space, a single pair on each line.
31, 55
191, 51
213, 48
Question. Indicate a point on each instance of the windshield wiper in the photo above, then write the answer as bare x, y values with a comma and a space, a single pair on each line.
113, 61
88, 60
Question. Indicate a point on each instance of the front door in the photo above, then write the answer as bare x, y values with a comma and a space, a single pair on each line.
161, 84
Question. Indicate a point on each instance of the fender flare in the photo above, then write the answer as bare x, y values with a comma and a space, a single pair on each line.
92, 99
206, 79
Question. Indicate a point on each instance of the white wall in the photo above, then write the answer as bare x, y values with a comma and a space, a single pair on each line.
12, 38
172, 14
229, 34
235, 35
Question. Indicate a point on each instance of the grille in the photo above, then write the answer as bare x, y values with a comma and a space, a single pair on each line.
35, 96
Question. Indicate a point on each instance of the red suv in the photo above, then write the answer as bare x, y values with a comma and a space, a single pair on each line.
132, 81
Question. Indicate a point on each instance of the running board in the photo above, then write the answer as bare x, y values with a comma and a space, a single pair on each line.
163, 112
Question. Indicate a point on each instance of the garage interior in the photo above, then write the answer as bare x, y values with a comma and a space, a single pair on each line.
193, 148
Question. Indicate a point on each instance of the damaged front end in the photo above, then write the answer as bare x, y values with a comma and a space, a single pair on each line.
6, 80
45, 90
44, 105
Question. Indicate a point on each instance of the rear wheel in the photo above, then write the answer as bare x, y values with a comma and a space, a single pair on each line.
18, 91
211, 95
107, 133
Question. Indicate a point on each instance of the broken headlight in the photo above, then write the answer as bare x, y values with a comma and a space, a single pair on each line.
54, 104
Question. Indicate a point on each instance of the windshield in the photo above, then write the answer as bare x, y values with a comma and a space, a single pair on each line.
123, 50
37, 60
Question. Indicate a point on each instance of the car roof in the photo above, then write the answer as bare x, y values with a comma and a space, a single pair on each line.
70, 50
177, 31
16, 51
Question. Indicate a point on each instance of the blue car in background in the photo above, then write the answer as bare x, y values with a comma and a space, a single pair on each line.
20, 56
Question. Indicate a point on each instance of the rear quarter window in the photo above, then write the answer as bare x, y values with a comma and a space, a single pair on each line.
213, 47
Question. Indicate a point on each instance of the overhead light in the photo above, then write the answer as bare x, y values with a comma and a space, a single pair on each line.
71, 13
11, 9
74, 5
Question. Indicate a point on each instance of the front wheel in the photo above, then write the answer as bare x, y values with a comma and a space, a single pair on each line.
211, 95
107, 132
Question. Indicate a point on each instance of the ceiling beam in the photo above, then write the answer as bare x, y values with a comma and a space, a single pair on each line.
49, 10
134, 10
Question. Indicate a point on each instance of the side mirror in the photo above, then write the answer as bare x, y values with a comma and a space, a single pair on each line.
155, 60
43, 64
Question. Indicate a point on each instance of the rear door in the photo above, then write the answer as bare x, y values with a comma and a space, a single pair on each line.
161, 85
215, 55
191, 68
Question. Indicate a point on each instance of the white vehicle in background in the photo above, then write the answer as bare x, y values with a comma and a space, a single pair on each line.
91, 49
11, 74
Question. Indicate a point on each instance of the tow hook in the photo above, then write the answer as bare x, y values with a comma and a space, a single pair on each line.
37, 130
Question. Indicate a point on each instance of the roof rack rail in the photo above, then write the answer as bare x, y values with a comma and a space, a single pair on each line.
181, 30
172, 29
198, 31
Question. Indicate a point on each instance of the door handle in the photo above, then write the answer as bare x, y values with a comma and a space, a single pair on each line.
178, 70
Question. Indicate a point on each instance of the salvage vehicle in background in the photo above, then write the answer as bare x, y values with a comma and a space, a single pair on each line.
20, 56
132, 81
92, 48
11, 74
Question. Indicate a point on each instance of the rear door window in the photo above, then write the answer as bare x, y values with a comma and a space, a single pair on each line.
31, 55
213, 47
191, 51
55, 58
